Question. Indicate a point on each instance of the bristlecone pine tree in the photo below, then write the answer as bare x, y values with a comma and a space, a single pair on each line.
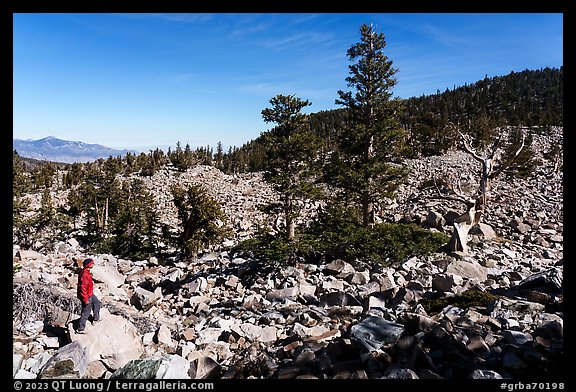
136, 223
203, 221
290, 157
494, 160
363, 165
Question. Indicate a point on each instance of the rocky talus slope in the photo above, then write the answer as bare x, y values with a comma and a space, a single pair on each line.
497, 313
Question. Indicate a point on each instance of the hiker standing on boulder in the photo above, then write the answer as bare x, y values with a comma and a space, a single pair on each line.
90, 303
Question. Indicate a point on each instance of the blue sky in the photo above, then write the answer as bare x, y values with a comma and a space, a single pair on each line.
142, 81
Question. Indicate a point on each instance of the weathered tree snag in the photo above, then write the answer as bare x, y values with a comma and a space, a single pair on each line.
492, 165
462, 225
101, 216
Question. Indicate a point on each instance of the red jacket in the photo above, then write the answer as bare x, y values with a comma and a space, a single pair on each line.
85, 285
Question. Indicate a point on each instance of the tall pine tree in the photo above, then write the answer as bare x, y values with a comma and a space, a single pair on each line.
290, 156
364, 165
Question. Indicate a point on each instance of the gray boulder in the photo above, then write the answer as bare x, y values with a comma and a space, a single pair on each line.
70, 361
480, 374
144, 299
204, 368
165, 367
375, 332
114, 340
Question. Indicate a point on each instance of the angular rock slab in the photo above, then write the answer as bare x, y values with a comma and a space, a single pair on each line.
108, 275
114, 340
70, 361
144, 299
551, 279
138, 369
16, 363
204, 368
374, 332
468, 269
165, 367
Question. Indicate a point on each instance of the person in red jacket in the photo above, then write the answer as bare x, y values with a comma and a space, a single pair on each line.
90, 303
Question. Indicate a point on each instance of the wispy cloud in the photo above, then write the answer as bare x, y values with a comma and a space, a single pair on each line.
413, 76
240, 25
272, 89
227, 77
266, 88
172, 17
445, 38
246, 24
185, 77
206, 91
303, 18
298, 41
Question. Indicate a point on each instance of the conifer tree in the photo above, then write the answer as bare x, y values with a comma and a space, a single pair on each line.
130, 159
203, 221
181, 159
75, 206
364, 164
49, 223
98, 198
74, 175
20, 182
136, 225
43, 175
219, 157
20, 205
46, 214
292, 148
187, 159
160, 159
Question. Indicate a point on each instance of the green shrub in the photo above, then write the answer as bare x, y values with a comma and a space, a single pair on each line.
273, 248
464, 300
386, 243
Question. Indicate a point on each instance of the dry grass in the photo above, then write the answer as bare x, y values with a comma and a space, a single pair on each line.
35, 301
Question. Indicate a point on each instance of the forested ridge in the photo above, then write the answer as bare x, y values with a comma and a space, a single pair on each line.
526, 98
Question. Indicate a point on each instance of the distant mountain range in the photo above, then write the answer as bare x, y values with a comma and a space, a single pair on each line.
65, 151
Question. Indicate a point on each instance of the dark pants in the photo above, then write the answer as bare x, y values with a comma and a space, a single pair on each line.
92, 306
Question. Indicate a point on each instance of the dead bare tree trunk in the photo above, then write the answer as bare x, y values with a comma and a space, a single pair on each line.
492, 166
288, 212
101, 216
106, 215
462, 225
98, 220
368, 215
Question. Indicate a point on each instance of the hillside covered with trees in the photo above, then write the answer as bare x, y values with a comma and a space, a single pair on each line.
418, 238
526, 98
